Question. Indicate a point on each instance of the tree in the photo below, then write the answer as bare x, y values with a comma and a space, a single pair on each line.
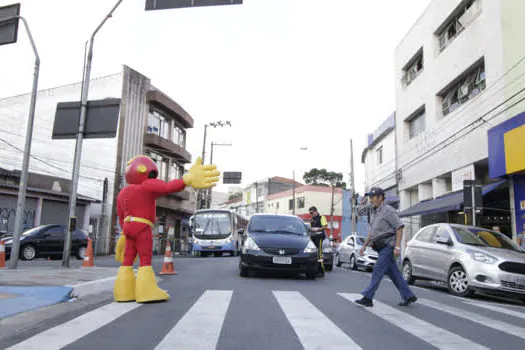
324, 177
235, 195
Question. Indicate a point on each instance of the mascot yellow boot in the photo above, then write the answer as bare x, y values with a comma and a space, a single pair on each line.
124, 288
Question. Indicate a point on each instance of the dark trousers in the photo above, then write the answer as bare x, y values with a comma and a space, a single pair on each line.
386, 265
320, 263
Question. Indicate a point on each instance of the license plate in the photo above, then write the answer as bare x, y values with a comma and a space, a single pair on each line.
282, 260
210, 247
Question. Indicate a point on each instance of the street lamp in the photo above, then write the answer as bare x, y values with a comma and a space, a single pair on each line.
209, 195
8, 35
150, 5
201, 202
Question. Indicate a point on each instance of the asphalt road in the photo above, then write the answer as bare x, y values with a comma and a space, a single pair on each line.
213, 308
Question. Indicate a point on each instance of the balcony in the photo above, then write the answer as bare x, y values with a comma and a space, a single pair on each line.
169, 148
175, 202
170, 107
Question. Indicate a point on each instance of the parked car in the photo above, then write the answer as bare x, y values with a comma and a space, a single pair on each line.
277, 243
348, 253
48, 241
328, 254
467, 259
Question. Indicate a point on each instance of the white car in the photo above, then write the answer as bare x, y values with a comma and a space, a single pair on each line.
348, 252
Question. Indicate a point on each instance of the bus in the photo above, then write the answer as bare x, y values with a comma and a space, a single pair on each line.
216, 231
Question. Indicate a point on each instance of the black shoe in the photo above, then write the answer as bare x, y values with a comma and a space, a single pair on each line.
409, 301
364, 302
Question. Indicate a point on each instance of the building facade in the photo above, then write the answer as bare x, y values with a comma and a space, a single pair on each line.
306, 197
458, 73
47, 202
149, 122
380, 160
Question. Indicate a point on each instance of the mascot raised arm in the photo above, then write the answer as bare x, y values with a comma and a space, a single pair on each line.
136, 209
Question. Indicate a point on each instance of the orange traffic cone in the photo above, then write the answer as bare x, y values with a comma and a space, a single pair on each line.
2, 254
168, 268
88, 259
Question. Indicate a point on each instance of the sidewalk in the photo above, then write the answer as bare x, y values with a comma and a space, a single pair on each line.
30, 288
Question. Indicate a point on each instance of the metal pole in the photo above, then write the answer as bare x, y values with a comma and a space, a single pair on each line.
199, 192
332, 213
513, 223
353, 207
208, 191
20, 204
80, 137
293, 205
474, 203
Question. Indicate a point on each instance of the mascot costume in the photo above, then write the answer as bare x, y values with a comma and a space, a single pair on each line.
136, 211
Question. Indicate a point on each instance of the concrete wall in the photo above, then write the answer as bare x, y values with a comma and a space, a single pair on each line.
382, 175
321, 200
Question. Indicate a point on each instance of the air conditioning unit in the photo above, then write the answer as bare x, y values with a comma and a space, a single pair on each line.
471, 14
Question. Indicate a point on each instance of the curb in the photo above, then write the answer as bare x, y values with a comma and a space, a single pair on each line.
84, 289
28, 298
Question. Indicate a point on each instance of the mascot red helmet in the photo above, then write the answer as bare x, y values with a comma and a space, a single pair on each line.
139, 169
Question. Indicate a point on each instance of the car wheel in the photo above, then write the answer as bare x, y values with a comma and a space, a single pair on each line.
81, 253
457, 282
338, 262
353, 262
407, 272
329, 268
243, 272
311, 273
28, 252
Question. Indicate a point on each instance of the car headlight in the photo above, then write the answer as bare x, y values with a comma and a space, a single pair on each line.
250, 244
482, 257
310, 247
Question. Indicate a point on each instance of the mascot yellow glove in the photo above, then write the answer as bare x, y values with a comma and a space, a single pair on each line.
121, 246
201, 176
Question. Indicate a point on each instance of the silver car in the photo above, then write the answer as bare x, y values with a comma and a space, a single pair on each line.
348, 252
467, 259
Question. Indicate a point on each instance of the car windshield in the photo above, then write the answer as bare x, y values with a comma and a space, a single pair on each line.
212, 225
466, 236
277, 224
494, 239
361, 240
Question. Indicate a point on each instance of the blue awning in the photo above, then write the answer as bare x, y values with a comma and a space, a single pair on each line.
450, 202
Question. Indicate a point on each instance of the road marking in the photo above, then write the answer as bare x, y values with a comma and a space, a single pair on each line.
471, 316
430, 333
497, 309
68, 332
201, 326
313, 328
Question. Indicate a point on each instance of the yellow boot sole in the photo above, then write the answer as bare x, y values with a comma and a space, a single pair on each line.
146, 289
124, 287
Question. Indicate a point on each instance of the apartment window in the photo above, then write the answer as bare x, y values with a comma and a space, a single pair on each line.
463, 89
290, 204
416, 123
162, 164
277, 205
176, 171
178, 135
158, 124
461, 18
413, 68
380, 155
300, 202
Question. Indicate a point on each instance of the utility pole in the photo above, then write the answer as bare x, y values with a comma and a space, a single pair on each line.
71, 226
332, 213
352, 184
293, 190
209, 196
22, 186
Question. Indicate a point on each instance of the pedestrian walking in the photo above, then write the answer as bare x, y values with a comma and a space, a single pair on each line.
384, 236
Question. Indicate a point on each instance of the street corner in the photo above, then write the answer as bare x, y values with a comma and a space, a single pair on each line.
15, 300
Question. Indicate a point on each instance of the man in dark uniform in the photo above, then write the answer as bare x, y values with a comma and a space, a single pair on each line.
318, 225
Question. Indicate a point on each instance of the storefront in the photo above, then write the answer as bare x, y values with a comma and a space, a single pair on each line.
506, 143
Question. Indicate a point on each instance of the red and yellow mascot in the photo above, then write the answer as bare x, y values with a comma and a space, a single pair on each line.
136, 211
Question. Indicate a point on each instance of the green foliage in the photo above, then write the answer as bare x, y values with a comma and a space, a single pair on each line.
324, 177
236, 195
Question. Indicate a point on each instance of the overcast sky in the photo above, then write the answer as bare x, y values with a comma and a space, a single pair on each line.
286, 73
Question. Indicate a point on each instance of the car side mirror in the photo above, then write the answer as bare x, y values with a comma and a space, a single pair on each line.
241, 231
443, 240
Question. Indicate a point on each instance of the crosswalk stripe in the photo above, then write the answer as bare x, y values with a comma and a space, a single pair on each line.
497, 309
473, 317
313, 328
201, 326
68, 332
438, 337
